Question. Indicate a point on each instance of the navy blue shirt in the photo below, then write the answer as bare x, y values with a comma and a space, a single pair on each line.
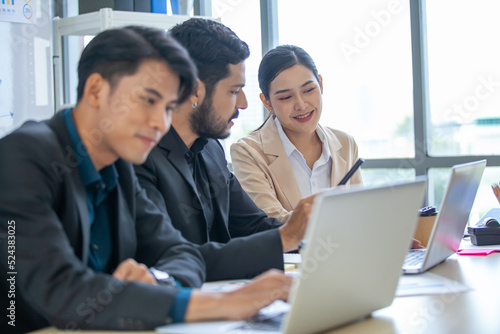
98, 185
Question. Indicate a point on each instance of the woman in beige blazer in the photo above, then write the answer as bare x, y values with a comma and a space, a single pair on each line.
291, 143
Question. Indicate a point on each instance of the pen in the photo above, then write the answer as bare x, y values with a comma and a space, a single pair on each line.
351, 171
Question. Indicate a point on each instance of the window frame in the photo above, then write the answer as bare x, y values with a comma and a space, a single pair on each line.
422, 161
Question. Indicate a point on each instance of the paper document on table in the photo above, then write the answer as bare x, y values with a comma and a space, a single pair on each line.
292, 258
224, 286
205, 327
217, 327
428, 284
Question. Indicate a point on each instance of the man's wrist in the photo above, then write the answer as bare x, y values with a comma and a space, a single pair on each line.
205, 306
287, 242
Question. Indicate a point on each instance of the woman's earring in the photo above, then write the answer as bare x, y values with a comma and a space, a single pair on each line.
194, 105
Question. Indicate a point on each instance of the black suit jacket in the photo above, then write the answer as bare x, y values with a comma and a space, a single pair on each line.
252, 242
42, 193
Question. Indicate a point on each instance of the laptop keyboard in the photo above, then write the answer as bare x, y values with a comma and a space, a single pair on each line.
414, 257
264, 323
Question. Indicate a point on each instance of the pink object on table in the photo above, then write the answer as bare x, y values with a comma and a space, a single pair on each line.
476, 251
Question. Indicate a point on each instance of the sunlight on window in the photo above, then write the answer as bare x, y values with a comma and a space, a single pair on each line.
485, 197
243, 17
464, 77
363, 51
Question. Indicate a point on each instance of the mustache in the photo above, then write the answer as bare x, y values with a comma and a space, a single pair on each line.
235, 115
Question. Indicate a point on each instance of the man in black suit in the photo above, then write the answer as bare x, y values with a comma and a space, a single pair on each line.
82, 245
186, 174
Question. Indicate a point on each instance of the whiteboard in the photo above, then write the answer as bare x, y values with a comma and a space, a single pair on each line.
26, 84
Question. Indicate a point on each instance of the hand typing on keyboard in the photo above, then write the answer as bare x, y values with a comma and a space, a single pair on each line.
241, 303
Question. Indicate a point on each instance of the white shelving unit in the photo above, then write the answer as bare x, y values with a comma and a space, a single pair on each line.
94, 23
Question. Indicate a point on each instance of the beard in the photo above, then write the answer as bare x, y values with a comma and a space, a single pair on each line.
207, 124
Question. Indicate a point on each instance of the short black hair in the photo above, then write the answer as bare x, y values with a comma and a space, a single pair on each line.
212, 46
279, 59
115, 53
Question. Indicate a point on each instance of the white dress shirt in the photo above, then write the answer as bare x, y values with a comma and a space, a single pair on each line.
310, 181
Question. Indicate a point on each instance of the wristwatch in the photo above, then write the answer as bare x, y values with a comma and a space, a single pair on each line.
162, 277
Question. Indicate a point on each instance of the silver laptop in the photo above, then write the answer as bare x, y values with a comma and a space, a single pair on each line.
350, 233
451, 220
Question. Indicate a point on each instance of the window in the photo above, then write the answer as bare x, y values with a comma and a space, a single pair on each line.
368, 54
382, 176
464, 91
243, 17
485, 198
464, 77
362, 49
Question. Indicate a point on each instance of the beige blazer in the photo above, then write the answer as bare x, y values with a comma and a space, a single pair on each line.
263, 169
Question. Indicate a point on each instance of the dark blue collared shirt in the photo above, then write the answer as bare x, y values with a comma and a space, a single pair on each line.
98, 185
